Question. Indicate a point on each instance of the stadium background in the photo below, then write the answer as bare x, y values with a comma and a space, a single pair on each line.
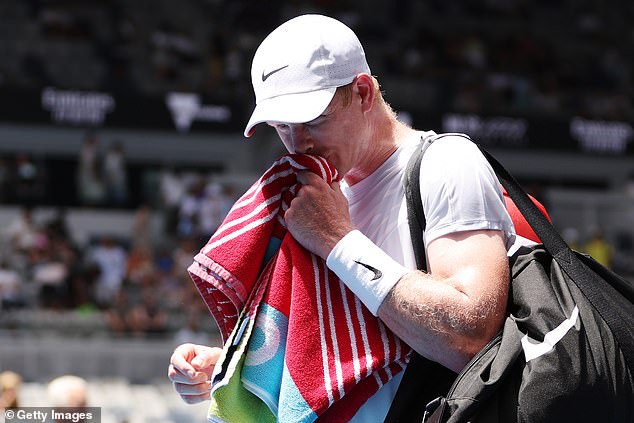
158, 91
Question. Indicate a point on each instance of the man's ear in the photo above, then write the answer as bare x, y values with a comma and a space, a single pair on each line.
364, 87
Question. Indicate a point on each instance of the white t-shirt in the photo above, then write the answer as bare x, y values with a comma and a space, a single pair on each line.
459, 191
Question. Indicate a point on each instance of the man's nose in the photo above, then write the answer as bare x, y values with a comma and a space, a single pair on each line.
302, 142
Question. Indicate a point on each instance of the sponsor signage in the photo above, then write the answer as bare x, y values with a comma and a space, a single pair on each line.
77, 107
493, 131
176, 111
574, 134
188, 107
193, 112
595, 136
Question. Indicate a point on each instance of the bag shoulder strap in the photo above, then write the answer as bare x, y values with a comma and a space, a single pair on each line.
424, 380
415, 213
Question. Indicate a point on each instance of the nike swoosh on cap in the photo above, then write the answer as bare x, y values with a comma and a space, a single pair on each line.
265, 76
377, 273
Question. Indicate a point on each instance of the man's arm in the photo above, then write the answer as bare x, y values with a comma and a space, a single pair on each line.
451, 313
447, 315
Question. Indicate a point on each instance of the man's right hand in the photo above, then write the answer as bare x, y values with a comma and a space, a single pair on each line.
190, 371
318, 216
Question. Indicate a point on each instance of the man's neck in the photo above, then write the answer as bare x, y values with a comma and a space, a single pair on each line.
387, 135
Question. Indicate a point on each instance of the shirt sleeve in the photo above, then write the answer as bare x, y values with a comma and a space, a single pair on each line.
460, 191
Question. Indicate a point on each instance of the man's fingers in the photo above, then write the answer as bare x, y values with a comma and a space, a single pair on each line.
177, 376
195, 399
306, 177
190, 369
206, 360
179, 361
184, 389
303, 177
190, 358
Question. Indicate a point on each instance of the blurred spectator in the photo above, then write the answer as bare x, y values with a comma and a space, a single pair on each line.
50, 273
28, 180
111, 260
117, 50
83, 284
55, 262
11, 285
142, 235
183, 255
174, 291
22, 232
140, 264
10, 383
64, 259
172, 50
624, 254
68, 391
135, 44
117, 314
202, 208
215, 65
115, 175
572, 238
172, 192
57, 226
58, 21
192, 332
147, 316
469, 96
599, 248
90, 184
213, 207
188, 212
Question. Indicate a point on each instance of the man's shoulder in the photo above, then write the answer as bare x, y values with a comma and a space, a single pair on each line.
450, 145
446, 137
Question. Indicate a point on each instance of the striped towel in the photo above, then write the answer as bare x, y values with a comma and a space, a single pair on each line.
314, 351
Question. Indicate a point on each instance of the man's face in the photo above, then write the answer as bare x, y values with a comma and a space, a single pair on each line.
334, 135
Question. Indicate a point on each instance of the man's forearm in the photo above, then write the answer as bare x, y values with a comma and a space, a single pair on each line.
440, 321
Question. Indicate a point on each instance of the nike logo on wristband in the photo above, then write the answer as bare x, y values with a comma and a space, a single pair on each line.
377, 273
265, 76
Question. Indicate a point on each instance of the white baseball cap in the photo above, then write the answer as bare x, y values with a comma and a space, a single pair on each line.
298, 67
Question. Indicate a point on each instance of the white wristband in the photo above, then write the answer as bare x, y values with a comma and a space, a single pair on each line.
366, 269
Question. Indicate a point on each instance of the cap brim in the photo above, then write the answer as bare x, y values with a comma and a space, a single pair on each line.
290, 108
